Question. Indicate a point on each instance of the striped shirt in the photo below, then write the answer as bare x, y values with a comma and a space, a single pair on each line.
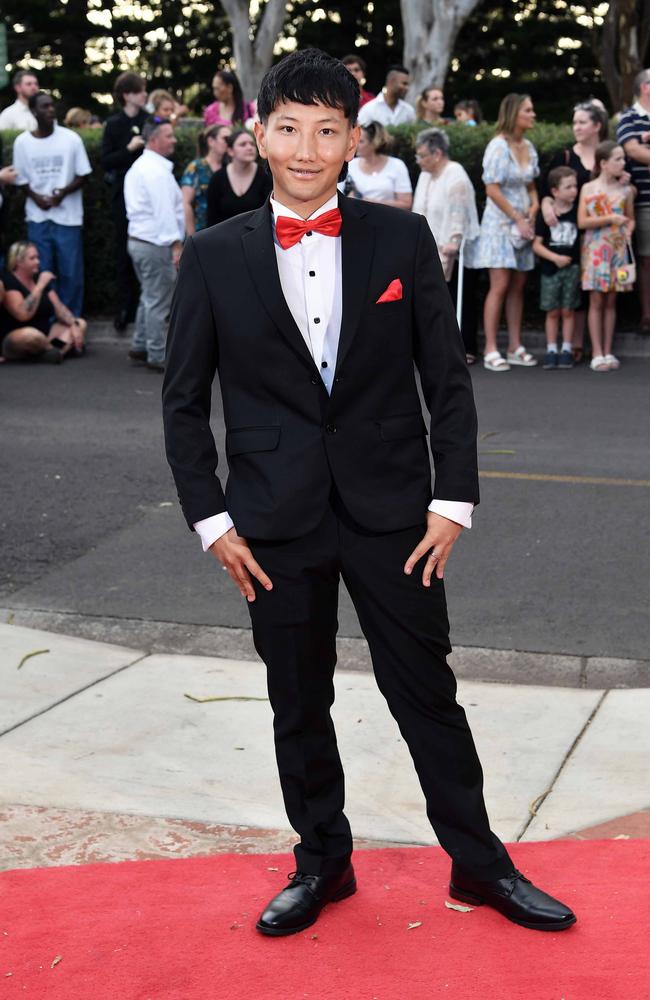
634, 122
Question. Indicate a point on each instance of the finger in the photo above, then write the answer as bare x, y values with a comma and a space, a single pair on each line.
425, 546
440, 565
429, 567
259, 574
245, 583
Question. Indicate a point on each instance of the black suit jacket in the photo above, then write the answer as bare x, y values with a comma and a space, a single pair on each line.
286, 439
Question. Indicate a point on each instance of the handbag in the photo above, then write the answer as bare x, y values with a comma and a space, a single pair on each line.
626, 273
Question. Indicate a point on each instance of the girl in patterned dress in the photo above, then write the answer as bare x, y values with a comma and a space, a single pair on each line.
606, 213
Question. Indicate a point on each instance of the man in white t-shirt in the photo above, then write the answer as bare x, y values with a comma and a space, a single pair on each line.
52, 164
389, 107
18, 116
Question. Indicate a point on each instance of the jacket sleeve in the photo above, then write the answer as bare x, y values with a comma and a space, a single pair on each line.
192, 360
113, 155
446, 383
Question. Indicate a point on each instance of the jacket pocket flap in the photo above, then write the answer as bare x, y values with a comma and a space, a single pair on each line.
247, 439
410, 425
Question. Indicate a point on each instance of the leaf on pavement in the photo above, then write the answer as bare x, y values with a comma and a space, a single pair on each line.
456, 906
59, 958
229, 697
418, 923
28, 656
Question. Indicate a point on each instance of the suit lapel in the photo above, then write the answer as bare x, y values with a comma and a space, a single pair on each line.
259, 251
357, 250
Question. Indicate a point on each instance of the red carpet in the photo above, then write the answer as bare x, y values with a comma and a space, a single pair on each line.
184, 930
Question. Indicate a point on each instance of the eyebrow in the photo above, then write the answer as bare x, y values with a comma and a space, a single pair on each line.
321, 121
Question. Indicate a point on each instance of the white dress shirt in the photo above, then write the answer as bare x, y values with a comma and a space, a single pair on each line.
311, 279
153, 199
17, 116
378, 110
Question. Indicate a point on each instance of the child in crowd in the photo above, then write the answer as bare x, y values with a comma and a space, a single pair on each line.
467, 112
606, 213
558, 248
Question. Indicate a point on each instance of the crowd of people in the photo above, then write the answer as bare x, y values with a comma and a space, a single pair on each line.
579, 223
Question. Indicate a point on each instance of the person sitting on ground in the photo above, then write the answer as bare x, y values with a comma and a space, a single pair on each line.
468, 112
558, 247
33, 320
212, 152
375, 176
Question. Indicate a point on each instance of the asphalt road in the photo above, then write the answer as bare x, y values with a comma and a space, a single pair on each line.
90, 524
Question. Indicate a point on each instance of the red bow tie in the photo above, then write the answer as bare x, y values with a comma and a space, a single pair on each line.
290, 231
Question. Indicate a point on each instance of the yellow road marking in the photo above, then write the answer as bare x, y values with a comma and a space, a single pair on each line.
548, 478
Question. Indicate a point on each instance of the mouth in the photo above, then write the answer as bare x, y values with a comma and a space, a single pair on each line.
304, 174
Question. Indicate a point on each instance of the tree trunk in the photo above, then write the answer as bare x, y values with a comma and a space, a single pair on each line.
253, 58
622, 48
430, 31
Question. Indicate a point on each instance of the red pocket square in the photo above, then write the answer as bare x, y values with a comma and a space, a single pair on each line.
392, 294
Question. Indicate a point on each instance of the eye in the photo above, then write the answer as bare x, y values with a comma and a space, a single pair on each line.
287, 129
328, 131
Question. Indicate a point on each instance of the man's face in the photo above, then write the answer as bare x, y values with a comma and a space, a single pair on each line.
27, 86
398, 84
45, 112
306, 146
356, 71
163, 141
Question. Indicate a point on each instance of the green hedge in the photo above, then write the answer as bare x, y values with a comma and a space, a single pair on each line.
467, 146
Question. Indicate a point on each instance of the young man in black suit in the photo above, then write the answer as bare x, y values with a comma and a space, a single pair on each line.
313, 310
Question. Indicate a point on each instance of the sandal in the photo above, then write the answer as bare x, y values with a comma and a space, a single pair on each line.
599, 364
494, 362
613, 362
470, 359
521, 357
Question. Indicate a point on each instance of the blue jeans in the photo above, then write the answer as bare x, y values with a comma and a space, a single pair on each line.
60, 250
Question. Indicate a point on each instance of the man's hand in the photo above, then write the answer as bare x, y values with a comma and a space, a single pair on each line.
42, 200
8, 175
177, 250
439, 539
137, 142
233, 553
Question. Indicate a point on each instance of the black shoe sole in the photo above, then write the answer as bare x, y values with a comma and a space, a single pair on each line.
468, 897
346, 890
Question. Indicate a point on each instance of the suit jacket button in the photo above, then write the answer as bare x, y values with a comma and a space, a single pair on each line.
330, 428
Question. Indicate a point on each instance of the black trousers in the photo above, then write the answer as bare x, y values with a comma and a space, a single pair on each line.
128, 286
405, 623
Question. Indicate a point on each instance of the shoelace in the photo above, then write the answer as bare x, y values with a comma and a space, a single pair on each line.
301, 878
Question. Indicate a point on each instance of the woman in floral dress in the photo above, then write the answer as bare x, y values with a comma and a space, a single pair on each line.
198, 173
507, 229
606, 213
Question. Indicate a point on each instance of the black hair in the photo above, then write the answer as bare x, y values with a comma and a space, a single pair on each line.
232, 80
33, 99
397, 68
309, 77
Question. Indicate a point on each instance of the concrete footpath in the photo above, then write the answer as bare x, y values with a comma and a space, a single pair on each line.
109, 753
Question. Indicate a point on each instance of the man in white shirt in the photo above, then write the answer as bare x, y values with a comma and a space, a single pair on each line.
154, 208
18, 116
52, 165
389, 107
315, 311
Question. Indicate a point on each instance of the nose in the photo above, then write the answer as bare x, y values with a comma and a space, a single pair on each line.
305, 149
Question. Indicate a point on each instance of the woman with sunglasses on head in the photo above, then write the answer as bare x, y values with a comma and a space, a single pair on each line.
241, 186
590, 127
229, 106
373, 175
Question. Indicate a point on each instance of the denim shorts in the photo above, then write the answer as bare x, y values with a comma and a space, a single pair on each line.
561, 290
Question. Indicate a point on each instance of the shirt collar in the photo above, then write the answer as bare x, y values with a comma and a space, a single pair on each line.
640, 110
160, 159
278, 208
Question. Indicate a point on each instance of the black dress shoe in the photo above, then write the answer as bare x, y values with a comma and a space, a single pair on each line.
300, 902
515, 897
138, 357
155, 366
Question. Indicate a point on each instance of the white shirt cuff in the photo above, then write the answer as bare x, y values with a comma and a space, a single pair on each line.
211, 528
454, 510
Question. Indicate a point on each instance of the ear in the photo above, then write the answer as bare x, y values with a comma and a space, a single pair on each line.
353, 142
259, 131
